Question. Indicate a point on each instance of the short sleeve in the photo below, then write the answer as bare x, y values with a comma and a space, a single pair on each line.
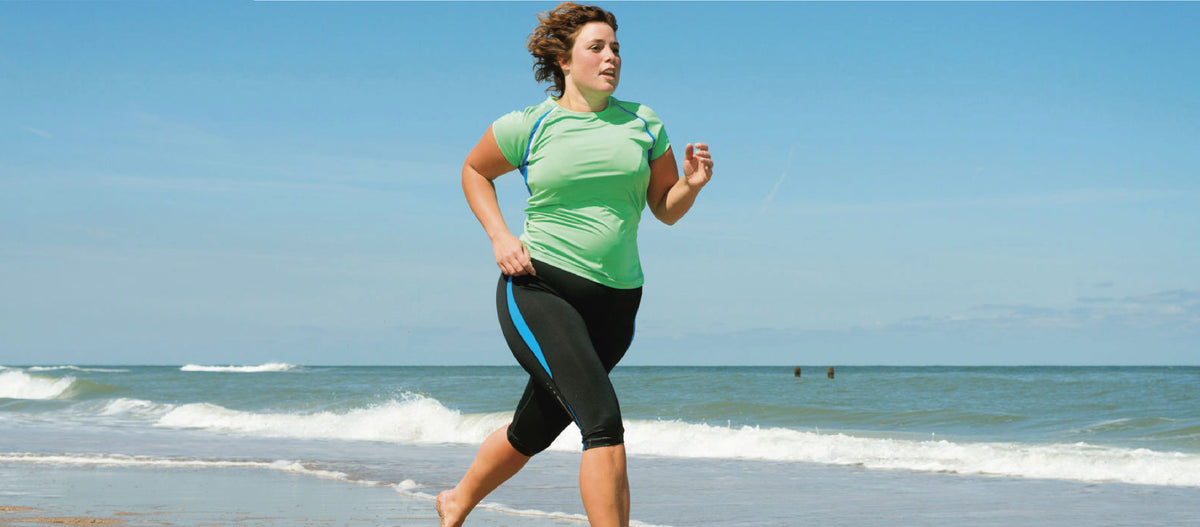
658, 130
512, 135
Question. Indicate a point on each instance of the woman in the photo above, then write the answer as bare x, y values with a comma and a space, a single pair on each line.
571, 284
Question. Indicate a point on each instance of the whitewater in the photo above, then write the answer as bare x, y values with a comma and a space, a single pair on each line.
1120, 426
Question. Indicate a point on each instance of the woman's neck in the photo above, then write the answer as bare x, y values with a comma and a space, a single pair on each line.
576, 102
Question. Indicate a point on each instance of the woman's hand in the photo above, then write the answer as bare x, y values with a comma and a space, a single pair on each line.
697, 165
670, 195
512, 256
483, 164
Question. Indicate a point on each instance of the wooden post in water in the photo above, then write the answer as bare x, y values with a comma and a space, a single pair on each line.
797, 371
830, 372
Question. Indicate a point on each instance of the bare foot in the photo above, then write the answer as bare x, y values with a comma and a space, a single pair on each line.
447, 509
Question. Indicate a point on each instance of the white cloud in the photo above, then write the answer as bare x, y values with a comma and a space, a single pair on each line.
39, 132
216, 185
1172, 310
1068, 198
771, 195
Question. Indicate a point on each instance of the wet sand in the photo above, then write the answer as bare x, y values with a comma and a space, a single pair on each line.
34, 495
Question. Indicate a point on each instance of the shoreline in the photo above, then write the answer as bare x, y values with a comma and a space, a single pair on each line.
45, 494
10, 513
357, 447
140, 496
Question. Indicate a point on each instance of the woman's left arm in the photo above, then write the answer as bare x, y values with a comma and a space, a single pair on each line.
671, 196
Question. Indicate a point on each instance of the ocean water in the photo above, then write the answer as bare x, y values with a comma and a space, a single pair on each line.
708, 445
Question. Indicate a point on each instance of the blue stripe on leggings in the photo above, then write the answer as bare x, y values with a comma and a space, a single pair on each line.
524, 330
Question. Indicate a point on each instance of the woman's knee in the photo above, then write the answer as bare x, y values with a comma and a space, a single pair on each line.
532, 433
608, 430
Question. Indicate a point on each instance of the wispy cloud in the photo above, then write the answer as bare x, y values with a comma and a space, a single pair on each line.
172, 155
1172, 310
1174, 297
164, 132
779, 183
1067, 198
39, 132
203, 185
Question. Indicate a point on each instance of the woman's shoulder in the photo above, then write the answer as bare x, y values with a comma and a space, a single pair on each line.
512, 130
638, 109
530, 112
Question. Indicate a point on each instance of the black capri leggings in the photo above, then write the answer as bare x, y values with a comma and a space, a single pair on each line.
568, 332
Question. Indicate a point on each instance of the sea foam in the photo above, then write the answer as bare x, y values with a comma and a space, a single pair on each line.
413, 419
1074, 461
147, 461
407, 487
261, 368
135, 407
417, 419
16, 384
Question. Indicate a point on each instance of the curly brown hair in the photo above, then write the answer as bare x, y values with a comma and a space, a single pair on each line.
555, 35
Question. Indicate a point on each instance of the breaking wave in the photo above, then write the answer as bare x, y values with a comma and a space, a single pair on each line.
417, 419
261, 368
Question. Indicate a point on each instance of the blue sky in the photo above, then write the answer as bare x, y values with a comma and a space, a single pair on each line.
932, 183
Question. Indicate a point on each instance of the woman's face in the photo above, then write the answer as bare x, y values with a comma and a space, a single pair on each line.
595, 62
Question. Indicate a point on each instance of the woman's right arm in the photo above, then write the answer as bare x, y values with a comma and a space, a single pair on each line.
484, 164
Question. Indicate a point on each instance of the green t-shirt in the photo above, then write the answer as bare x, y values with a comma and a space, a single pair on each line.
587, 174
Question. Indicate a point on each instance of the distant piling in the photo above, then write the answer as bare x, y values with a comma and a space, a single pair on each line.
796, 372
829, 373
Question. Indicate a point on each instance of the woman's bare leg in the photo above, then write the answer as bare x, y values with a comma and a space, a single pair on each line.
496, 461
604, 486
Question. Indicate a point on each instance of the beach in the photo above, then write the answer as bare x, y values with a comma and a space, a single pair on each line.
139, 496
193, 497
893, 264
57, 494
134, 496
878, 446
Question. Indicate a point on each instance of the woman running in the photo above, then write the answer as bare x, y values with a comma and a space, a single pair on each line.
570, 286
